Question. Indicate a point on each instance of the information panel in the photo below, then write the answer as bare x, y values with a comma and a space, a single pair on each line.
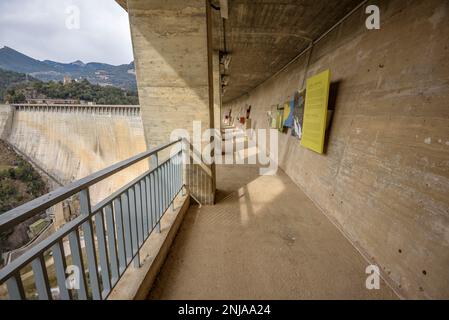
315, 112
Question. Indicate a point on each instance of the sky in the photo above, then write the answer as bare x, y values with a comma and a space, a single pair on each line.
67, 30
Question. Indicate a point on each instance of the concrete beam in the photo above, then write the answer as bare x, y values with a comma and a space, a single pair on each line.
171, 51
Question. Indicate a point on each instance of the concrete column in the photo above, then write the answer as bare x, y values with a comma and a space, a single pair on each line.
170, 42
217, 90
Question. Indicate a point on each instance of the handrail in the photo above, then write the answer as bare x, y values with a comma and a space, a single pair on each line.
126, 219
27, 210
119, 191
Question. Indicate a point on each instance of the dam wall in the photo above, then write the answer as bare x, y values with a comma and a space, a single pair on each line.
69, 142
6, 116
384, 178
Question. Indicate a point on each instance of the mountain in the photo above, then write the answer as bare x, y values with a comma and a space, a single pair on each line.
122, 76
13, 60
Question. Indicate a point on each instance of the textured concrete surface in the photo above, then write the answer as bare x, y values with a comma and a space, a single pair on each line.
171, 58
385, 176
71, 144
266, 240
263, 36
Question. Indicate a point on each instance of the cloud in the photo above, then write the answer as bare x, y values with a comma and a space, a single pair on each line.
38, 28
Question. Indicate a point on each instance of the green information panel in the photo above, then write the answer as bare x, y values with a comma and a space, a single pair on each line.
315, 112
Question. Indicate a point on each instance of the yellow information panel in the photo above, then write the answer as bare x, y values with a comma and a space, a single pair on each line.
315, 112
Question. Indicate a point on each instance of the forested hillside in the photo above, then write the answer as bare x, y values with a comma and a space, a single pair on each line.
10, 78
121, 76
14, 88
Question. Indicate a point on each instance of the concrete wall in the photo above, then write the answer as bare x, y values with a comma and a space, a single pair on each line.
70, 143
171, 56
170, 50
385, 177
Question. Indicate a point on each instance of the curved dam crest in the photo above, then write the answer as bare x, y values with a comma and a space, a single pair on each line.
70, 142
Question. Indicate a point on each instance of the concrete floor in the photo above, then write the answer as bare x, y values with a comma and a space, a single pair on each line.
263, 240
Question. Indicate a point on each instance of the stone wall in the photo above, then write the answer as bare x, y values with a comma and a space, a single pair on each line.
384, 179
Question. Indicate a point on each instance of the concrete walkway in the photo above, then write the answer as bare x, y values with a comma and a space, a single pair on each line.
263, 240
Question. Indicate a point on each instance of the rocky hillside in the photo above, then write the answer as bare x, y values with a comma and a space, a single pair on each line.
19, 183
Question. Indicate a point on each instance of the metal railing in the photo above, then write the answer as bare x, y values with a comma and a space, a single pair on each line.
104, 239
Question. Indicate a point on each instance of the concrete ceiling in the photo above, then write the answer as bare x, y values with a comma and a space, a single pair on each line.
123, 4
262, 36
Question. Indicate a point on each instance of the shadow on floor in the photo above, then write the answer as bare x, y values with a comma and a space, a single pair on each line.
265, 239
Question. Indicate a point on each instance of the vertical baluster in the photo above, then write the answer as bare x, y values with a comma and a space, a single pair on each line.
166, 182
166, 185
193, 175
77, 261
184, 169
181, 172
90, 244
159, 197
143, 196
15, 287
154, 200
60, 267
41, 278
162, 191
127, 227
139, 220
172, 165
176, 167
91, 259
176, 174
104, 263
161, 212
153, 180
110, 229
132, 216
172, 185
149, 202
195, 178
169, 167
121, 252
167, 174
188, 181
204, 184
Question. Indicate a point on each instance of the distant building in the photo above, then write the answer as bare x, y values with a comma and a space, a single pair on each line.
67, 80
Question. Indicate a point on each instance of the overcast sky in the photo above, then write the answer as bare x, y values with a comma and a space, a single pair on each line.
47, 29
